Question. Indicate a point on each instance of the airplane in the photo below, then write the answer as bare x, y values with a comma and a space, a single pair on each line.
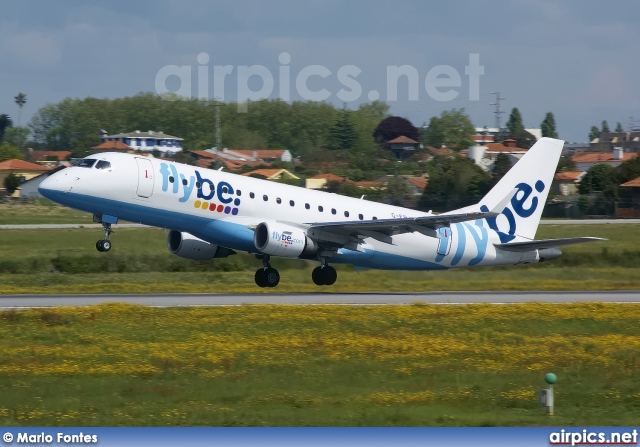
213, 214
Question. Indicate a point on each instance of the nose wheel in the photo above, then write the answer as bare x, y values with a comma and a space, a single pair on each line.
266, 276
324, 275
104, 245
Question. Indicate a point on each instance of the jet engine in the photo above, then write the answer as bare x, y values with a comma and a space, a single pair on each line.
277, 239
188, 246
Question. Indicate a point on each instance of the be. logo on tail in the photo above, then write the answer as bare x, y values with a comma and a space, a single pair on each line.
520, 207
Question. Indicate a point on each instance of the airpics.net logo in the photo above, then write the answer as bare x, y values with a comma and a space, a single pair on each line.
440, 83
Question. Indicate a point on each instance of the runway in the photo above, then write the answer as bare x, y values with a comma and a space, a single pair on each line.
172, 300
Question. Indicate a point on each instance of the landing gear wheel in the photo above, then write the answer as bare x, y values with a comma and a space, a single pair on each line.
330, 275
106, 245
261, 277
272, 276
99, 245
316, 276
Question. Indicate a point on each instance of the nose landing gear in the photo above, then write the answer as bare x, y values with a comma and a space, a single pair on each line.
104, 245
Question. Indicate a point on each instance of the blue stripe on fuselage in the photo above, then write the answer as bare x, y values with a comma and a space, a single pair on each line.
220, 232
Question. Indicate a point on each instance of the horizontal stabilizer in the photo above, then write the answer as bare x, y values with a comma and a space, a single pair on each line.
545, 243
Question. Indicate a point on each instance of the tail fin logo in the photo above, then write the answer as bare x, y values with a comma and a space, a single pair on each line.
519, 205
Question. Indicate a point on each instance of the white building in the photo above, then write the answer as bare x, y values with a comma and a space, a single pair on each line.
494, 131
147, 141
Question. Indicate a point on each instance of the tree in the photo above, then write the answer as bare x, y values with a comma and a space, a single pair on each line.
605, 127
523, 138
452, 128
566, 164
5, 123
342, 136
599, 178
619, 127
594, 133
501, 166
15, 135
398, 191
8, 152
21, 100
515, 121
548, 126
393, 127
11, 183
454, 182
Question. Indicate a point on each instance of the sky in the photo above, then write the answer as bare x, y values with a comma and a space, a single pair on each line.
575, 58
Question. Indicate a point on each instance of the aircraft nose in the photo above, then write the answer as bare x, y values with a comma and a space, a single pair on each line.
53, 186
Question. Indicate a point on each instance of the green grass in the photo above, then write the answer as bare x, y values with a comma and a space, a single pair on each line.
471, 365
43, 211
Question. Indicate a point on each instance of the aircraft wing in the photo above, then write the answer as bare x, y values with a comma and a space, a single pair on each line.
383, 229
545, 243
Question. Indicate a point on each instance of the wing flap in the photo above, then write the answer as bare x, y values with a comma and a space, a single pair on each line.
545, 243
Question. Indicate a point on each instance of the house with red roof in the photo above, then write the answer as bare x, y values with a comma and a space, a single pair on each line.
272, 174
615, 158
23, 169
566, 183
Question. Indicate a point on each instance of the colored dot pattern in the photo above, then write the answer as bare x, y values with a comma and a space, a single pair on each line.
218, 208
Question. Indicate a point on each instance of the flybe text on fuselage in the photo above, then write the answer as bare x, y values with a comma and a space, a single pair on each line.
205, 189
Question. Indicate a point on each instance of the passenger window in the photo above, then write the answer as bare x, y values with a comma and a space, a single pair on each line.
360, 216
375, 218
197, 183
333, 210
103, 164
265, 197
278, 200
238, 192
307, 206
320, 209
171, 179
184, 181
292, 203
252, 195
346, 214
225, 189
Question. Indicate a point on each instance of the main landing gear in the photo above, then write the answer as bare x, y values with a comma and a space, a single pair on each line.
266, 276
105, 244
324, 275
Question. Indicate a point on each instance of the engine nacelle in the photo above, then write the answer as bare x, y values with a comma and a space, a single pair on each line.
188, 246
276, 239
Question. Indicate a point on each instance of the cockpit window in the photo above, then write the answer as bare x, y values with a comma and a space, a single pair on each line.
85, 163
103, 164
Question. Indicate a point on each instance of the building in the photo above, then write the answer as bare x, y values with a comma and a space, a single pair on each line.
30, 187
566, 183
112, 146
494, 132
23, 169
485, 156
320, 181
403, 147
606, 141
272, 174
49, 158
268, 155
633, 209
147, 141
615, 158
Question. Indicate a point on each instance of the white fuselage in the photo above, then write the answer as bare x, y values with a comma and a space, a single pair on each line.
224, 209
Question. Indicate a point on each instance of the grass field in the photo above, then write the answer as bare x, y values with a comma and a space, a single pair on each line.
57, 261
477, 365
43, 211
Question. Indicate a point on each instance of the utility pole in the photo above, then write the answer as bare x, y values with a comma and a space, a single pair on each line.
498, 112
218, 135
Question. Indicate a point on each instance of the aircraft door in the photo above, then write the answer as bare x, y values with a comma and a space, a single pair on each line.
145, 177
444, 243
